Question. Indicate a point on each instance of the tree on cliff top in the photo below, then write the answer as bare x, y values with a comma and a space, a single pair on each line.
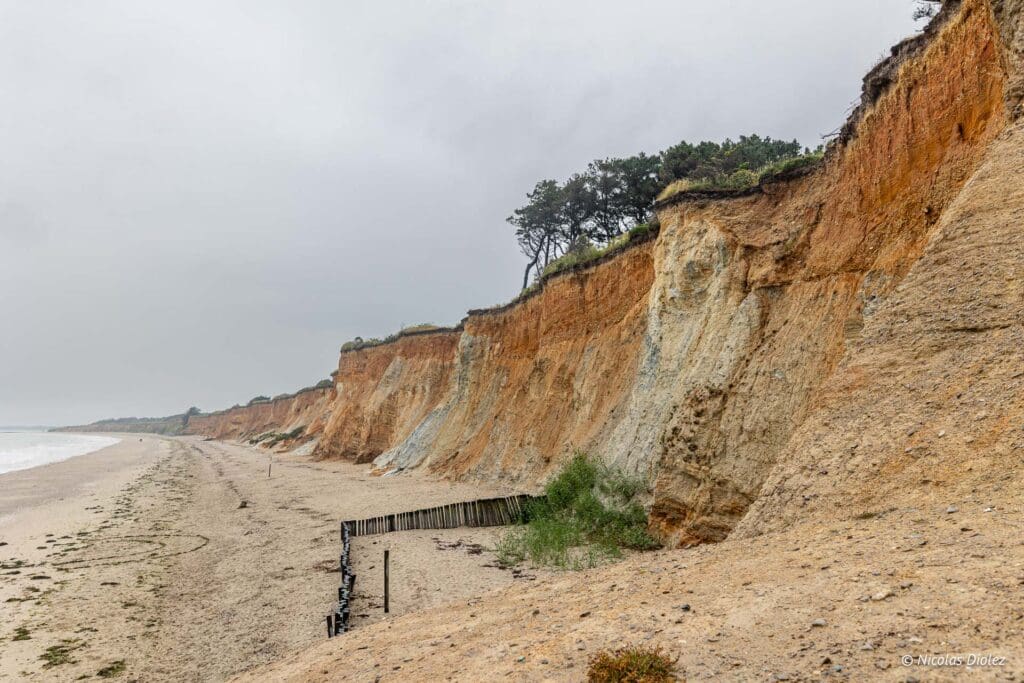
615, 195
538, 225
711, 160
639, 177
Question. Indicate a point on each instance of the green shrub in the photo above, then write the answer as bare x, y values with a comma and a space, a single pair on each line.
632, 665
580, 252
588, 514
790, 165
639, 232
511, 549
741, 179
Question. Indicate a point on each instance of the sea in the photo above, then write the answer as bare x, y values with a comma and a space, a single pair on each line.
21, 449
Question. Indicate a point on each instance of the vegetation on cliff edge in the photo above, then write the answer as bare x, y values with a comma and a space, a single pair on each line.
613, 195
744, 178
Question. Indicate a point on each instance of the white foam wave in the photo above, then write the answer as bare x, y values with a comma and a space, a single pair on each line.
21, 450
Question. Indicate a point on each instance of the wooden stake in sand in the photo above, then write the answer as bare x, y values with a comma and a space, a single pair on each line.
387, 588
270, 461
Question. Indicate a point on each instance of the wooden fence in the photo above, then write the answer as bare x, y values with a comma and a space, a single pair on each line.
487, 512
337, 622
476, 513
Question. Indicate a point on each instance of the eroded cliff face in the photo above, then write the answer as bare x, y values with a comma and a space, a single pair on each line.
701, 360
308, 409
539, 379
756, 297
384, 392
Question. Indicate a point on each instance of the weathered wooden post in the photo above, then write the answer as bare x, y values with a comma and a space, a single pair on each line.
387, 588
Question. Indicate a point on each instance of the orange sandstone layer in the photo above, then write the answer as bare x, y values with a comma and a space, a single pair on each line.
385, 391
547, 376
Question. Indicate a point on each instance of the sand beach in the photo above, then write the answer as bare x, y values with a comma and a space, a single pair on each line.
179, 559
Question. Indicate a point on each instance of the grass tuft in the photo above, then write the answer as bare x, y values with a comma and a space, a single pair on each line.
587, 252
58, 655
632, 665
788, 166
589, 515
112, 670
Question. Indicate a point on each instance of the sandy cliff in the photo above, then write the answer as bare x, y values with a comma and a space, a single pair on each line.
384, 391
307, 408
721, 354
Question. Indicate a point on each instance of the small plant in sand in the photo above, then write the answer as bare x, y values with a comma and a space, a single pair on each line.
112, 670
21, 633
57, 655
588, 515
632, 665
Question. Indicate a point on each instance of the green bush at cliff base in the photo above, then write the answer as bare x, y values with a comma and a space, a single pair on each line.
589, 514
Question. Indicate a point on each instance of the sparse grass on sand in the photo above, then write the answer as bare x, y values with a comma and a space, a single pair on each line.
57, 655
112, 670
632, 665
588, 515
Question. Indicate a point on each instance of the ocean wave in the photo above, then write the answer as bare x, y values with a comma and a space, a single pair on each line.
22, 450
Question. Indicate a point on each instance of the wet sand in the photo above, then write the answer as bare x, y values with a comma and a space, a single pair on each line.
142, 558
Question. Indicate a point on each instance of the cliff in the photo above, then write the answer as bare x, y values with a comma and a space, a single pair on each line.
384, 391
539, 378
306, 409
754, 337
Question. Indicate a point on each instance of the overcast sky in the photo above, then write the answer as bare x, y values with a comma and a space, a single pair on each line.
201, 200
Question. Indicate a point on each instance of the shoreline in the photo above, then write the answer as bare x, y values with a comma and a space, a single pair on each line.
175, 558
95, 474
107, 440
